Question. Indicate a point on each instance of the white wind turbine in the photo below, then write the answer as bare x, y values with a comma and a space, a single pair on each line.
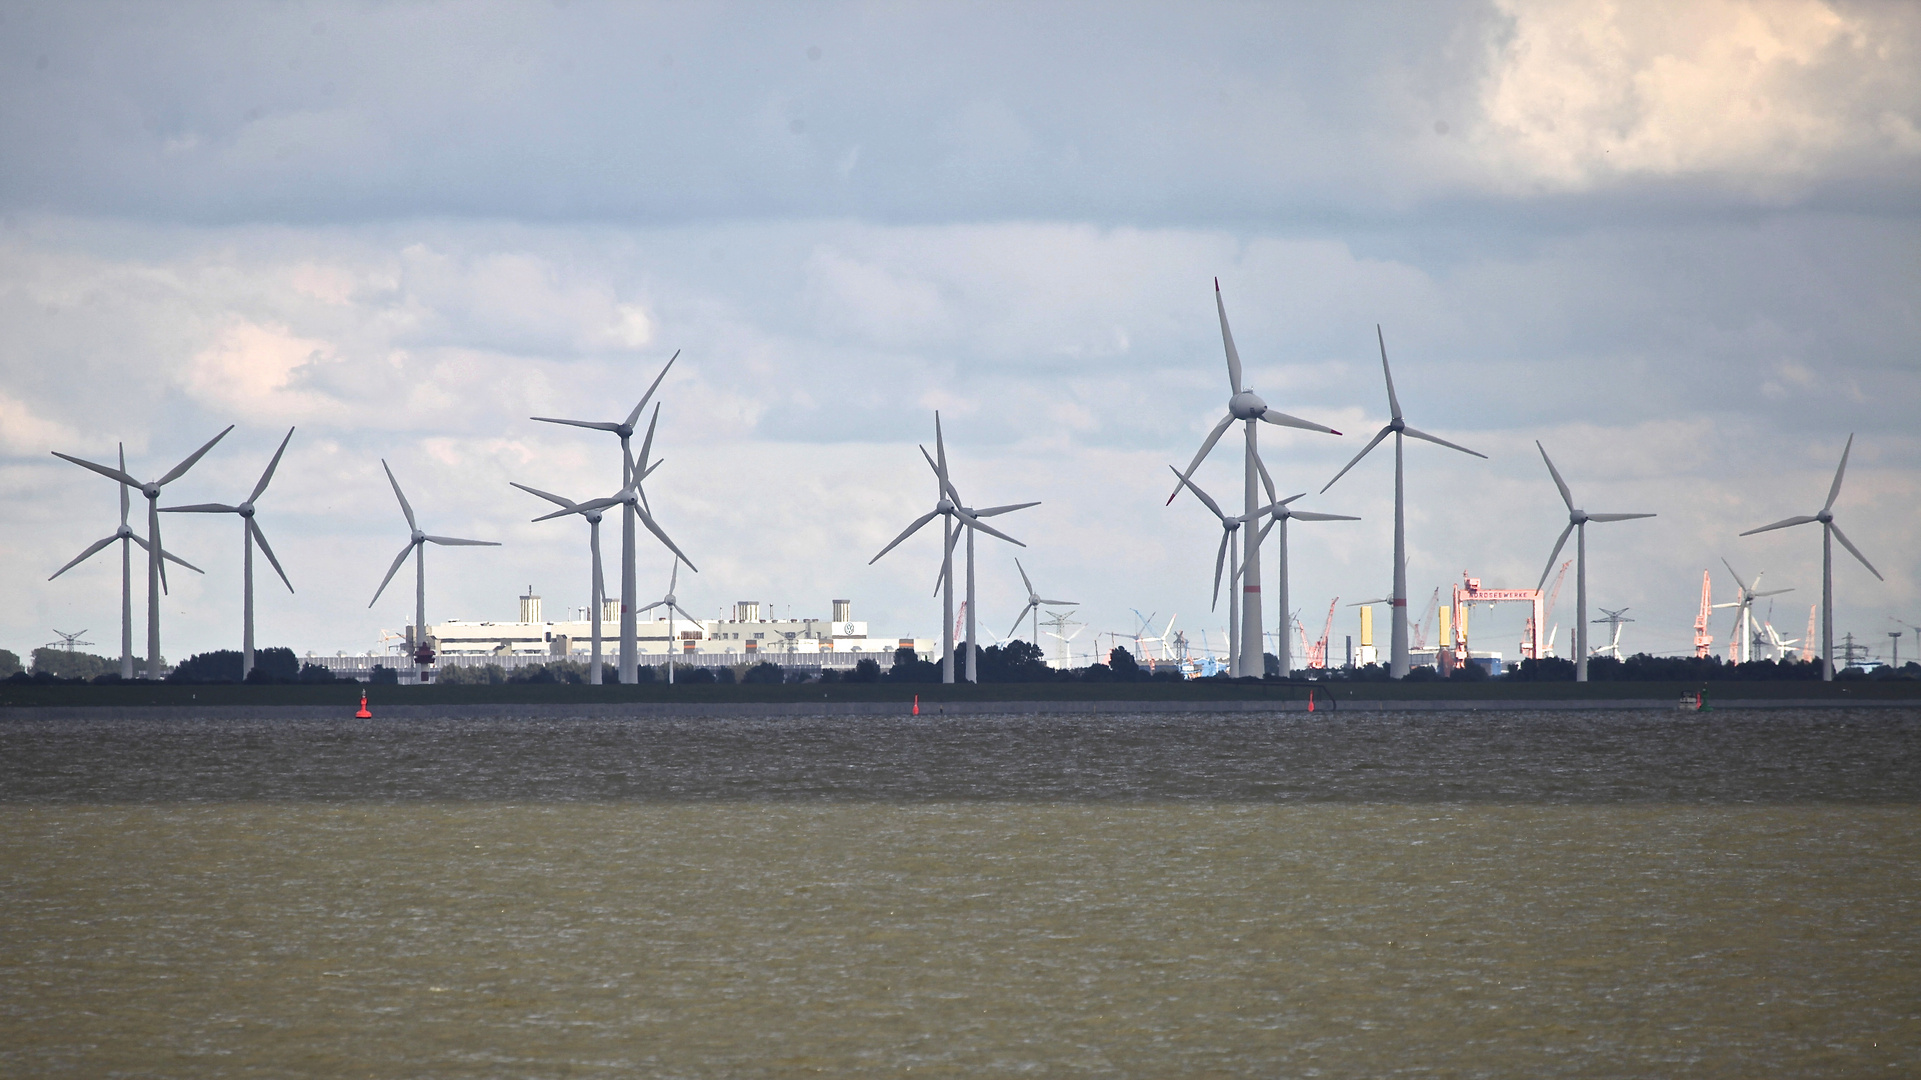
598, 587
672, 604
1614, 620
947, 507
1226, 554
1245, 405
1829, 533
1034, 603
249, 534
1744, 617
629, 661
1280, 513
1397, 426
156, 566
417, 545
127, 538
1577, 521
970, 608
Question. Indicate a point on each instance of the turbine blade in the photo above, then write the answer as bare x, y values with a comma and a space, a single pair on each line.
688, 615
201, 508
162, 549
391, 571
1384, 432
1834, 492
977, 523
271, 466
1617, 517
261, 538
168, 556
454, 541
1282, 419
180, 470
1057, 602
1024, 582
905, 533
1309, 515
549, 496
1266, 480
1018, 619
634, 417
940, 476
1206, 445
1566, 496
649, 607
1558, 545
647, 444
940, 447
85, 555
1855, 551
123, 485
650, 469
1737, 577
404, 508
1782, 524
940, 576
582, 508
648, 520
595, 425
673, 577
1267, 528
1773, 592
1438, 441
1204, 496
1393, 403
107, 471
1220, 557
994, 511
1227, 339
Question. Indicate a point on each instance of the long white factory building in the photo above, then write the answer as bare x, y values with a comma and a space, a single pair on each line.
841, 641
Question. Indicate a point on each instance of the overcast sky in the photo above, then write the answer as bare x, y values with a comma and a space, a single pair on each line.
1683, 251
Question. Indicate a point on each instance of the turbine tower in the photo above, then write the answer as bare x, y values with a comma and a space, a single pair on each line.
127, 538
1034, 603
156, 566
1246, 406
1830, 532
672, 604
629, 663
1397, 425
1577, 520
417, 544
598, 587
953, 515
249, 534
1739, 648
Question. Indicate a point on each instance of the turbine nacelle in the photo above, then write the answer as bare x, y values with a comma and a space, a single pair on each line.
1246, 405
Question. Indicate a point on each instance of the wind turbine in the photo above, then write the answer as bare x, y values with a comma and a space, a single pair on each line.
629, 662
970, 609
672, 604
156, 566
1280, 513
1829, 533
417, 544
1744, 618
127, 538
1397, 425
1034, 603
1576, 521
947, 507
1245, 405
249, 533
598, 588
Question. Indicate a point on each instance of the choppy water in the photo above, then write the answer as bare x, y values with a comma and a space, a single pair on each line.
1510, 895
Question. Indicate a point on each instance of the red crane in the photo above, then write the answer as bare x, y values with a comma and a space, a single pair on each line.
1317, 652
1703, 639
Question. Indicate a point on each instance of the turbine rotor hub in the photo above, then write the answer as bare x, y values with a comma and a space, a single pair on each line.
1824, 517
1578, 517
245, 510
1246, 405
419, 538
1397, 425
151, 491
945, 506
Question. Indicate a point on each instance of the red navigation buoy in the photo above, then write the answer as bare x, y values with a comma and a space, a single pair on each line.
1310, 701
916, 704
363, 714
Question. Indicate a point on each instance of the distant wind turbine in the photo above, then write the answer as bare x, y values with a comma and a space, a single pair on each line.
156, 566
417, 545
249, 534
1830, 532
1744, 617
1397, 426
1034, 603
1245, 405
1577, 522
970, 608
629, 661
127, 538
598, 587
672, 604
